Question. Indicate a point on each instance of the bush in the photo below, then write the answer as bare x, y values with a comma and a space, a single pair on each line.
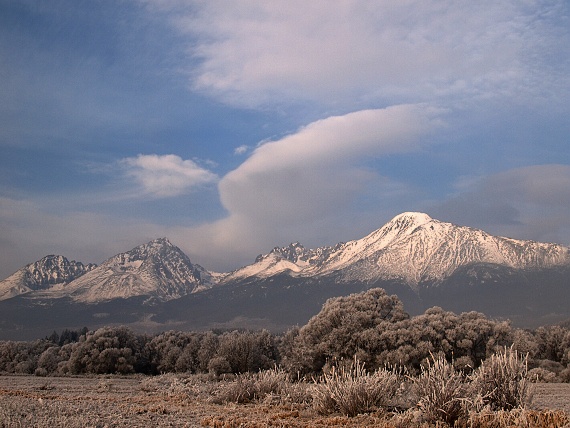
219, 365
564, 375
352, 390
502, 380
344, 327
539, 374
442, 391
253, 386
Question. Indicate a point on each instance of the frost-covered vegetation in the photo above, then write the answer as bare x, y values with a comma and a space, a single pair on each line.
371, 327
361, 354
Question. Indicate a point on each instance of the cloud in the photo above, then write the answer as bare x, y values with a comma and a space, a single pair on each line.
318, 169
166, 175
241, 149
254, 53
527, 203
309, 185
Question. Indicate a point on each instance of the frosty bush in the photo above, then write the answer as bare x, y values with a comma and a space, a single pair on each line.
345, 326
253, 386
352, 390
502, 380
442, 391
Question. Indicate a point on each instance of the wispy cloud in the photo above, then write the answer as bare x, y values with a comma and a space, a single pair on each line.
166, 175
241, 150
256, 53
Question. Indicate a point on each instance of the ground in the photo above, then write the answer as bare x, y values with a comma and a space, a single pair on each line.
169, 401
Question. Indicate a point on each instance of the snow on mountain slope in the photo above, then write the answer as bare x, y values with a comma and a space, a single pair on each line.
41, 275
416, 248
158, 269
412, 247
279, 260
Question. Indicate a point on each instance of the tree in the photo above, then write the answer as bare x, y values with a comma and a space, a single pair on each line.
247, 351
107, 350
345, 327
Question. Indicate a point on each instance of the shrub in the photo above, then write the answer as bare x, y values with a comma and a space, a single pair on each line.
345, 326
564, 375
253, 386
442, 391
219, 365
502, 380
352, 390
272, 381
539, 374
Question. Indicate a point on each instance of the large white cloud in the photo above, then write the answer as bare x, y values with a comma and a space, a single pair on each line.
318, 168
311, 185
255, 52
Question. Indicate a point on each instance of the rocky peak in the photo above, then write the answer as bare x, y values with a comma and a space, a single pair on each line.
293, 252
52, 270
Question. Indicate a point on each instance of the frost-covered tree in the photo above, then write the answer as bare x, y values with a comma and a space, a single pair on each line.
247, 351
343, 328
106, 350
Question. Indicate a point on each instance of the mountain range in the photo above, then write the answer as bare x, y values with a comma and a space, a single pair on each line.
424, 261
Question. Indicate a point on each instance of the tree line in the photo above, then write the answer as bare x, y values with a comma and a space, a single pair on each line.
371, 326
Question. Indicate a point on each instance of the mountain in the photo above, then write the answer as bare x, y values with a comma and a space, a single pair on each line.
412, 248
424, 261
43, 274
158, 269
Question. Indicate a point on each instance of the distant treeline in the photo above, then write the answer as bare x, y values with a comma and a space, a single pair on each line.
371, 326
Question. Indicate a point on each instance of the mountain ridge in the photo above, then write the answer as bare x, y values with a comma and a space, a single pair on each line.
157, 269
411, 247
425, 262
43, 274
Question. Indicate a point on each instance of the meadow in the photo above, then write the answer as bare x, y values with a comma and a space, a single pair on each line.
272, 399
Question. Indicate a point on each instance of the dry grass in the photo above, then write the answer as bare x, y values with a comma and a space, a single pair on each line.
502, 380
272, 385
520, 418
352, 390
441, 392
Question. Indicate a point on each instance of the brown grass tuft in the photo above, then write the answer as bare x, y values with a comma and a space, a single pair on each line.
352, 390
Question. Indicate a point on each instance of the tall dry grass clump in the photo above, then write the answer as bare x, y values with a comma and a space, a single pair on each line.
442, 391
501, 380
248, 387
351, 390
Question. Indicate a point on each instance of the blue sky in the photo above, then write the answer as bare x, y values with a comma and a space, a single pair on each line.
234, 127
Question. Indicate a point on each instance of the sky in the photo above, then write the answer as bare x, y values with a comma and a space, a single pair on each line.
235, 127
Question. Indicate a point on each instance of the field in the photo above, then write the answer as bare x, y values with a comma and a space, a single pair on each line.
171, 401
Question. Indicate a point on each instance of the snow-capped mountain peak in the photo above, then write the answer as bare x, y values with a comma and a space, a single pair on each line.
412, 248
43, 274
158, 269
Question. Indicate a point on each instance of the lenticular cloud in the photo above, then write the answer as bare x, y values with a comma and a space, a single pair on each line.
319, 166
